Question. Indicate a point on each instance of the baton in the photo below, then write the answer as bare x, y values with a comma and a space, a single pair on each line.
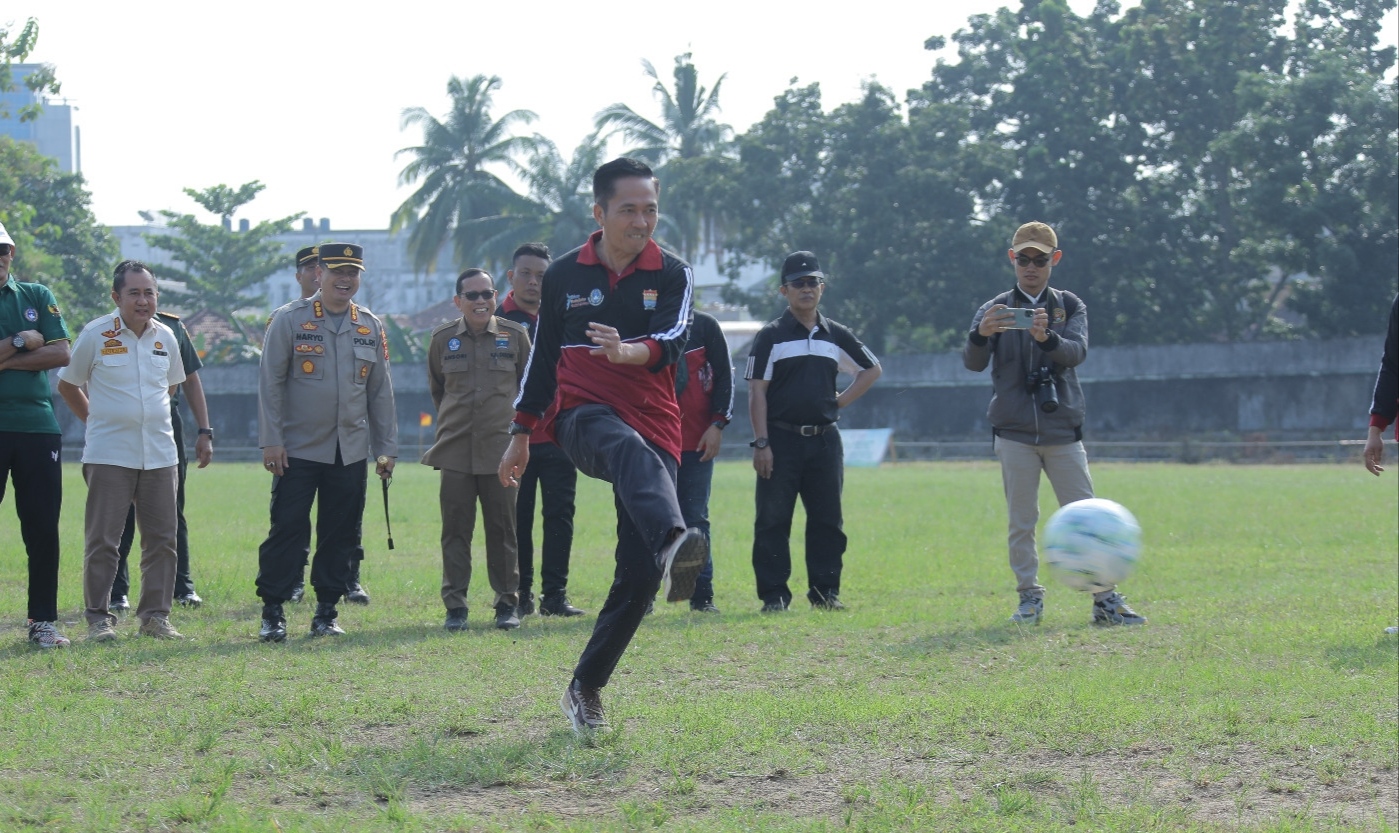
384, 461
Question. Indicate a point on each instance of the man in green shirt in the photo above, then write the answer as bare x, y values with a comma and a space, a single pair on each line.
33, 339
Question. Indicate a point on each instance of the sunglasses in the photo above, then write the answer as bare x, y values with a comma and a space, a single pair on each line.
6, 248
476, 296
1025, 260
804, 283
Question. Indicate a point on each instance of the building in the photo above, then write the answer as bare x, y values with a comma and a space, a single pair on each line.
54, 132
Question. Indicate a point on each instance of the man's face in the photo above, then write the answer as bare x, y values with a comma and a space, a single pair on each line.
527, 277
803, 294
630, 216
478, 310
5, 259
1032, 268
308, 277
340, 284
136, 302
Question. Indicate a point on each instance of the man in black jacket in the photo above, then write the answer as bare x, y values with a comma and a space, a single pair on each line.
613, 321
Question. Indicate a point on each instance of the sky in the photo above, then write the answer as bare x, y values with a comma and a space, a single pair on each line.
307, 97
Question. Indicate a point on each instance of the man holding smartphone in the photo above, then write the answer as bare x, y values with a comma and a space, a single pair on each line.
1037, 407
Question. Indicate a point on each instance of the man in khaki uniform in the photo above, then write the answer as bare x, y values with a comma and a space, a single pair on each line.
474, 368
325, 407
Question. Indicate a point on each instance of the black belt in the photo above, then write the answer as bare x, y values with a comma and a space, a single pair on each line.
804, 430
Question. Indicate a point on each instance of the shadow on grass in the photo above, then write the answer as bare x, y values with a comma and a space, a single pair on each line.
1362, 652
957, 640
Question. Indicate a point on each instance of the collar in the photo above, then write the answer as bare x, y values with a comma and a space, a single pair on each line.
9, 284
509, 305
1035, 300
650, 258
789, 316
491, 327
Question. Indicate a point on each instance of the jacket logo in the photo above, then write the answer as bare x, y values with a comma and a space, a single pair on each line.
308, 325
595, 297
364, 371
31, 315
502, 342
308, 366
111, 333
159, 346
648, 298
1058, 315
453, 344
111, 342
363, 330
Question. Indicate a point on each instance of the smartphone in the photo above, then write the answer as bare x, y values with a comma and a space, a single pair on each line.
1023, 319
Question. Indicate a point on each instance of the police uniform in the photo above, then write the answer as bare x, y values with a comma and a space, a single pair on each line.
473, 379
325, 395
184, 582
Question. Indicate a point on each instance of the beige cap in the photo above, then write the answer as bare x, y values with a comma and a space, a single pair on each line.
1037, 236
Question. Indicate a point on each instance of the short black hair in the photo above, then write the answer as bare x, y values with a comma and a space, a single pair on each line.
531, 249
624, 167
471, 273
119, 273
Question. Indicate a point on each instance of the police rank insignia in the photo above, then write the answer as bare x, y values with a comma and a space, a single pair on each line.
453, 344
648, 298
111, 333
308, 366
111, 342
595, 297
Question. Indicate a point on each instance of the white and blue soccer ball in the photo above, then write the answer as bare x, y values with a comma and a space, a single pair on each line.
1092, 544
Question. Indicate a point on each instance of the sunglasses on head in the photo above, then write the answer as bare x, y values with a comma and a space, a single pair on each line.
6, 248
1025, 260
475, 295
804, 283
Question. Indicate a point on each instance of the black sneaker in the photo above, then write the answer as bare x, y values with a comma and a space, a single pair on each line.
774, 606
526, 605
356, 594
324, 624
118, 604
558, 606
274, 624
456, 619
828, 601
1113, 610
190, 599
704, 606
583, 708
681, 562
505, 618
298, 592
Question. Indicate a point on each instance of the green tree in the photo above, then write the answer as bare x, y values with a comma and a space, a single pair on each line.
219, 266
562, 190
14, 50
58, 241
459, 200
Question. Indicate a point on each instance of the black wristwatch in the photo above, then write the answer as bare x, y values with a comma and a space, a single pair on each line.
720, 424
517, 428
761, 442
207, 432
18, 342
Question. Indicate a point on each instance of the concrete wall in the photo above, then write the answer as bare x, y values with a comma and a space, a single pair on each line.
1284, 390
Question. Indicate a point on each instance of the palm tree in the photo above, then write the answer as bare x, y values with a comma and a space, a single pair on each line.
687, 128
459, 200
561, 191
686, 135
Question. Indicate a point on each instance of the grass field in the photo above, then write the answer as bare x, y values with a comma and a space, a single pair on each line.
1261, 696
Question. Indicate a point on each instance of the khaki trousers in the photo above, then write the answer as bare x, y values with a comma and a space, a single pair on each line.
458, 495
110, 492
1021, 464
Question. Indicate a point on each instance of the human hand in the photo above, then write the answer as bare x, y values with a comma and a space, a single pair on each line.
513, 461
1374, 451
274, 459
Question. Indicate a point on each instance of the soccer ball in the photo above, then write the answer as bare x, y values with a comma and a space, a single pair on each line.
1092, 544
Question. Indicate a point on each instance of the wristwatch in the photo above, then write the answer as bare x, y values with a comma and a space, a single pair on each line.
207, 432
761, 442
18, 342
517, 428
720, 424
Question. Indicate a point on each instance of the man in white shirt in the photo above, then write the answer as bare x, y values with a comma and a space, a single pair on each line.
128, 363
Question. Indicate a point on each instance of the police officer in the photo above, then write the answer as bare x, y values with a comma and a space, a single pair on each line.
325, 407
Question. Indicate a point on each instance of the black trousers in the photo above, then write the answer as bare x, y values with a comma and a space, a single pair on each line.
184, 584
338, 489
812, 468
556, 479
34, 462
601, 445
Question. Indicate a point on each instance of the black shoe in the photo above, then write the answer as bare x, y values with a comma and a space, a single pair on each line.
681, 562
323, 624
274, 624
558, 606
526, 605
829, 601
298, 592
583, 707
774, 606
706, 606
456, 619
118, 604
190, 599
505, 618
355, 594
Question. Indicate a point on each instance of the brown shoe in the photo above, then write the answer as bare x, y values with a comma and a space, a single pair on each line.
159, 627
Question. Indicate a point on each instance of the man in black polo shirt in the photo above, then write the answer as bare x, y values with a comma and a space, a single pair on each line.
794, 405
34, 340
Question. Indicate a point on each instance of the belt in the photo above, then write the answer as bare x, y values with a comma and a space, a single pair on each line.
804, 430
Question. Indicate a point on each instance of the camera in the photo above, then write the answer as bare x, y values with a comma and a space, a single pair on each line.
1040, 383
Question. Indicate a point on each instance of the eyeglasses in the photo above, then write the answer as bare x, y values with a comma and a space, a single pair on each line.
1025, 260
804, 283
6, 248
475, 296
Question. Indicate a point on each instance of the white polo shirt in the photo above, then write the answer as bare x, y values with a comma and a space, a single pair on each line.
128, 382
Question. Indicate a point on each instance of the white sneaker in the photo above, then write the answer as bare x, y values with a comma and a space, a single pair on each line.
46, 635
